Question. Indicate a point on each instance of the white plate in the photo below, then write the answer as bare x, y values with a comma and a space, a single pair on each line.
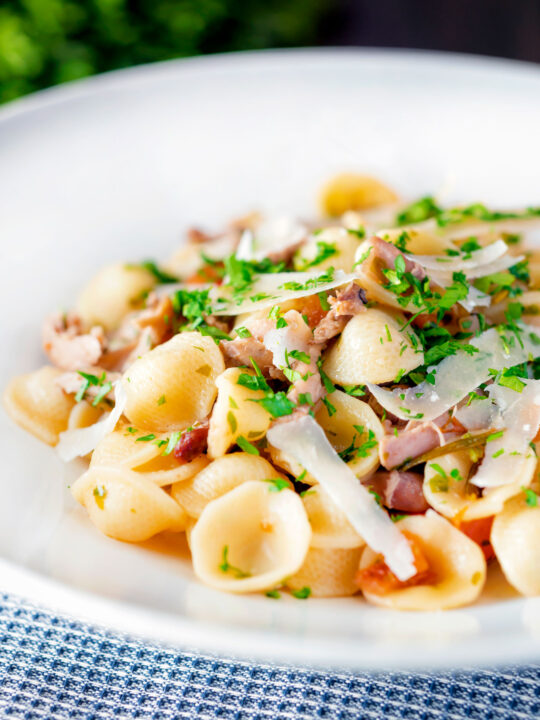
114, 168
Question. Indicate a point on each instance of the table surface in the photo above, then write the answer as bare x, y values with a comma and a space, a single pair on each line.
54, 667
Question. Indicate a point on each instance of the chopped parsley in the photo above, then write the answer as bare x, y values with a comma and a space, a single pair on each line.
325, 250
418, 211
226, 566
146, 438
277, 484
160, 275
302, 594
359, 233
275, 594
326, 277
246, 446
531, 498
243, 332
275, 403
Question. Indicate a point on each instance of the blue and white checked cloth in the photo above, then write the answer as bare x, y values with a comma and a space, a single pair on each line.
52, 668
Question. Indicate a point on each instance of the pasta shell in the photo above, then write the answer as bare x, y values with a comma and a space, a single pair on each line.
342, 434
372, 279
418, 242
83, 415
290, 465
515, 537
125, 505
174, 385
250, 539
372, 348
452, 496
351, 191
328, 572
457, 562
220, 477
38, 405
121, 449
235, 413
343, 243
330, 527
113, 293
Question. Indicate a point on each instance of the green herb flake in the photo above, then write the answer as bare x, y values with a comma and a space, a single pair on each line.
302, 594
162, 400
274, 594
246, 446
531, 498
226, 566
146, 438
277, 484
243, 332
232, 421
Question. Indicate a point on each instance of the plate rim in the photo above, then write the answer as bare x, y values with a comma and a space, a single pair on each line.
180, 631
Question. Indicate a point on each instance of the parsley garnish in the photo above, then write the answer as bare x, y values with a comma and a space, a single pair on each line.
326, 277
246, 446
243, 332
160, 275
100, 493
531, 498
227, 567
302, 594
324, 251
418, 211
277, 484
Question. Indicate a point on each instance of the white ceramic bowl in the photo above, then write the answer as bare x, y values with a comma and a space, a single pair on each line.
116, 167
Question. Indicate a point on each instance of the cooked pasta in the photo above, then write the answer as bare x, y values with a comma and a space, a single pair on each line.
340, 407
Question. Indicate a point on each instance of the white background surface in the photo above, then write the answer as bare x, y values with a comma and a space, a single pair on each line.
115, 168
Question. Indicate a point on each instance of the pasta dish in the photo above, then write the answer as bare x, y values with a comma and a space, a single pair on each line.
326, 408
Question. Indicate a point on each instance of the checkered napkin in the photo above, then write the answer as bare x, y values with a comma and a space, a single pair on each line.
52, 668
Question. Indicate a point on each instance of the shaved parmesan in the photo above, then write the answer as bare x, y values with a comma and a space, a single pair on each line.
268, 289
457, 375
480, 414
483, 256
80, 442
295, 336
271, 236
306, 442
519, 420
463, 230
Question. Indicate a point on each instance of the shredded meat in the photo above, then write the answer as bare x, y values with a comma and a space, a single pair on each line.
399, 490
346, 303
68, 346
192, 443
198, 236
312, 383
240, 351
378, 579
387, 253
140, 332
416, 439
70, 382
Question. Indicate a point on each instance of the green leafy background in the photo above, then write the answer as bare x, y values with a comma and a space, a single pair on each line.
45, 42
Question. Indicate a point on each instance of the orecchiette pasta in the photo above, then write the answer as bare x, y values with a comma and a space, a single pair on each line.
450, 493
329, 525
515, 537
354, 430
38, 405
456, 564
236, 414
113, 293
330, 408
328, 572
373, 348
125, 505
250, 539
350, 191
218, 478
183, 371
337, 246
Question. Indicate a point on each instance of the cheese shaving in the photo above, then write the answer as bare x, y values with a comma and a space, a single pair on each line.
80, 442
457, 375
273, 235
306, 442
518, 421
268, 289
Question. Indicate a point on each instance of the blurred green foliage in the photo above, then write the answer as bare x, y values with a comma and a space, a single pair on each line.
44, 42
